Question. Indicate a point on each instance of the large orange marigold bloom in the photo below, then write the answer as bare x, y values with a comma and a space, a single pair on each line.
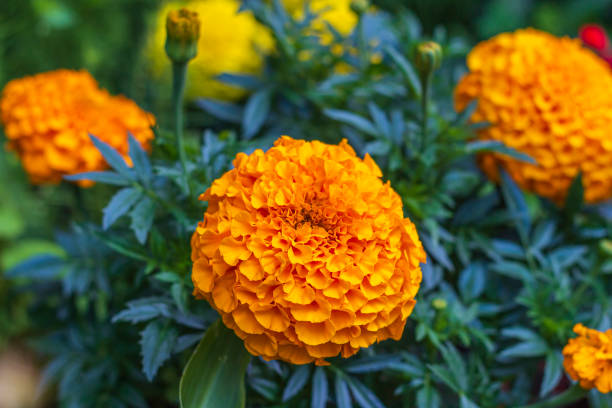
548, 97
48, 118
588, 358
305, 252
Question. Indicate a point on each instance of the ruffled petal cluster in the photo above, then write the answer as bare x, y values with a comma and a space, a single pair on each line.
548, 97
305, 252
48, 117
230, 42
588, 358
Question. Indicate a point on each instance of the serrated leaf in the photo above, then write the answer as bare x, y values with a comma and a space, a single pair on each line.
343, 398
119, 205
140, 159
318, 398
264, 387
513, 270
256, 112
156, 342
113, 158
437, 251
141, 310
349, 118
214, 375
407, 70
249, 82
105, 177
296, 382
142, 218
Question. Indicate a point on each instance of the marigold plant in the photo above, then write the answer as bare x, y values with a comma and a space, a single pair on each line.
305, 252
588, 358
48, 117
547, 97
230, 42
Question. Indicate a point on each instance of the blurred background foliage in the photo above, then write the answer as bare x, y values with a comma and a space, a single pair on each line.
460, 307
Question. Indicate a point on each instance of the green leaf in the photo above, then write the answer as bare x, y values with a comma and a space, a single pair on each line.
516, 203
142, 218
428, 397
222, 110
407, 70
296, 382
105, 177
472, 281
343, 398
255, 112
119, 205
465, 402
214, 375
156, 341
481, 146
553, 371
319, 389
364, 397
358, 122
113, 158
139, 159
575, 196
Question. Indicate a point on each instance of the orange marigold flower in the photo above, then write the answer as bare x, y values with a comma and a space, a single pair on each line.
588, 358
547, 97
48, 118
305, 252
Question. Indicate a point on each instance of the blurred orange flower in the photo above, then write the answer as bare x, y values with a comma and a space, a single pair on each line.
548, 97
48, 118
305, 252
588, 358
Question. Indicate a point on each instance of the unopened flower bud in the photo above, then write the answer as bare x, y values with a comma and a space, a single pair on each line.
439, 303
183, 32
360, 7
428, 57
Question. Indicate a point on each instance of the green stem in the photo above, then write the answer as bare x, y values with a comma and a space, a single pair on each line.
572, 394
425, 82
179, 75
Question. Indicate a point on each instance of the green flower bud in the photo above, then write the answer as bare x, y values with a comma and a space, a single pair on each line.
183, 32
439, 303
428, 57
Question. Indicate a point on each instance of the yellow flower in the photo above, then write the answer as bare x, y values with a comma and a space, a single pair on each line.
48, 118
230, 42
305, 252
337, 13
588, 358
550, 98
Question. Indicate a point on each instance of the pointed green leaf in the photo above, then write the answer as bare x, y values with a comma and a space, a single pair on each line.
214, 375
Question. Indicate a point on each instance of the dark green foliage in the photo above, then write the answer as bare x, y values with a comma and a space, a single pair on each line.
507, 276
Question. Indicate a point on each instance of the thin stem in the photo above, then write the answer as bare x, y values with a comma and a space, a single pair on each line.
179, 74
572, 394
425, 82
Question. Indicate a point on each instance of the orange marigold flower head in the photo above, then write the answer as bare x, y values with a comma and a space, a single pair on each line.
305, 252
549, 98
588, 358
48, 117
